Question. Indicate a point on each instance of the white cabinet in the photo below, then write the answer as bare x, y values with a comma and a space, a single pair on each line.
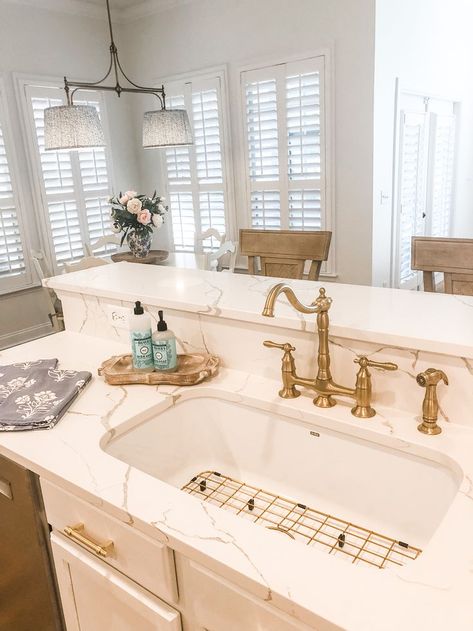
95, 597
212, 603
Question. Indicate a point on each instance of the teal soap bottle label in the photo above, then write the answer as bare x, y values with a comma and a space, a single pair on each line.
142, 349
164, 354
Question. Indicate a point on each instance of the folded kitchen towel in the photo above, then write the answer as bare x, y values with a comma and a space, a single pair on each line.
41, 399
14, 376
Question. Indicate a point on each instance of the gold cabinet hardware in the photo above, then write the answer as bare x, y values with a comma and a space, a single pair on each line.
77, 533
430, 406
323, 384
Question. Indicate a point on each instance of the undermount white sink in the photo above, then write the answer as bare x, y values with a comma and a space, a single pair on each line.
379, 486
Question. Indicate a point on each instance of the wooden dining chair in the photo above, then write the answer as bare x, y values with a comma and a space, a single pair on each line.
86, 263
43, 270
101, 244
452, 257
283, 253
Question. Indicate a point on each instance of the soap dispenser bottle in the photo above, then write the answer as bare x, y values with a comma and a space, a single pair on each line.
141, 344
164, 347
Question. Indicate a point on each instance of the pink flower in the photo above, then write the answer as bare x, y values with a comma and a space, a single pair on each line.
134, 206
131, 194
144, 217
123, 199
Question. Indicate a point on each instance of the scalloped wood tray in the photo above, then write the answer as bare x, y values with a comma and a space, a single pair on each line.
191, 369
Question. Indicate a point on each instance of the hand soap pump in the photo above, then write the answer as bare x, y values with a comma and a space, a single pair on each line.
141, 345
164, 347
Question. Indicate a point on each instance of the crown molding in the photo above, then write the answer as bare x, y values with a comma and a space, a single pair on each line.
96, 10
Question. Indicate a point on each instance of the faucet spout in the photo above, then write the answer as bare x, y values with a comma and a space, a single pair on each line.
322, 303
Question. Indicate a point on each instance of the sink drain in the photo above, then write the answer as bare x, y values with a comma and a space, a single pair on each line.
300, 522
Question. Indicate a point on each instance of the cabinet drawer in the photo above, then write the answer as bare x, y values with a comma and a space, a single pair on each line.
146, 561
215, 604
96, 597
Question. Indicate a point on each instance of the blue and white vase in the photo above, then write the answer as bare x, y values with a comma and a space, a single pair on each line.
139, 243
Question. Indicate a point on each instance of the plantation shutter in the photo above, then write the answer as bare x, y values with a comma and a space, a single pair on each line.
284, 141
13, 268
413, 184
196, 174
443, 161
75, 186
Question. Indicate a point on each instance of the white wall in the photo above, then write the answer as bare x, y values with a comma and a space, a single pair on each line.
429, 46
45, 43
208, 33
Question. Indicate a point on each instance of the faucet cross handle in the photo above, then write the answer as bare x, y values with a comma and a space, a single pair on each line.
364, 362
430, 406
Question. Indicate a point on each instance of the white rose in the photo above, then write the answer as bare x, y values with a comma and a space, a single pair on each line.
157, 220
124, 199
131, 194
134, 206
116, 228
161, 207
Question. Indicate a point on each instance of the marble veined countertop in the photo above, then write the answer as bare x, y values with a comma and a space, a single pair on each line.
429, 322
434, 592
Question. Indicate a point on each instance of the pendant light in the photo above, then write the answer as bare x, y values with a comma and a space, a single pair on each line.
72, 126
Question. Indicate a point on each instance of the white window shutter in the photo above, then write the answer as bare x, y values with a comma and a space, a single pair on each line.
284, 142
196, 175
75, 185
13, 268
412, 188
443, 160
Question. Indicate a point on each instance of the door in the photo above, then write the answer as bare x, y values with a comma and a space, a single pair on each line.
425, 178
95, 597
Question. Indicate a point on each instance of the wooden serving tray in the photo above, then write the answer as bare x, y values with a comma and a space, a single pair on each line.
153, 257
191, 369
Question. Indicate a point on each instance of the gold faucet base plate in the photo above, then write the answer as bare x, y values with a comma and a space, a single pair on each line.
430, 430
353, 543
324, 402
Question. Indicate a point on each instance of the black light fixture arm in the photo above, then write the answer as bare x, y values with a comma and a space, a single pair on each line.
71, 87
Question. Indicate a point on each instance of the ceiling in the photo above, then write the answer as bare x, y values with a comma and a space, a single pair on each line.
121, 9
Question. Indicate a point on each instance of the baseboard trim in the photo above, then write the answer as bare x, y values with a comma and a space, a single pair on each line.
25, 335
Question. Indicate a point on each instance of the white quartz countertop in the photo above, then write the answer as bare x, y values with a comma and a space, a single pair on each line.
429, 322
434, 592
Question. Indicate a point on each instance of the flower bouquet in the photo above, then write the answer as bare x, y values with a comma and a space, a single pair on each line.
136, 216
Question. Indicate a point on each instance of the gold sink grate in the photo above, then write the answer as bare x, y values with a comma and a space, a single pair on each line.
300, 522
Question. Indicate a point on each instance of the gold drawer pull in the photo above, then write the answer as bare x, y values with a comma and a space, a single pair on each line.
76, 533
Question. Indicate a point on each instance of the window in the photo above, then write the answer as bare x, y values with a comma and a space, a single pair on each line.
14, 272
285, 145
196, 175
425, 177
74, 186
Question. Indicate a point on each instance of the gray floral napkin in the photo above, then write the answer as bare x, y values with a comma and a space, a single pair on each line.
35, 396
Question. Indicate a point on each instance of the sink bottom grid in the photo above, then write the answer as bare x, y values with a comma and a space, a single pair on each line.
300, 522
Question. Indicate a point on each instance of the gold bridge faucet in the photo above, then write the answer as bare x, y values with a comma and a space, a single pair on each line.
323, 384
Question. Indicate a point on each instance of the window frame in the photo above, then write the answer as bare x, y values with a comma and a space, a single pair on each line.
26, 280
201, 76
264, 66
40, 198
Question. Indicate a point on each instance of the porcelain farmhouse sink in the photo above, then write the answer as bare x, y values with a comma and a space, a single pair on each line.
366, 501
